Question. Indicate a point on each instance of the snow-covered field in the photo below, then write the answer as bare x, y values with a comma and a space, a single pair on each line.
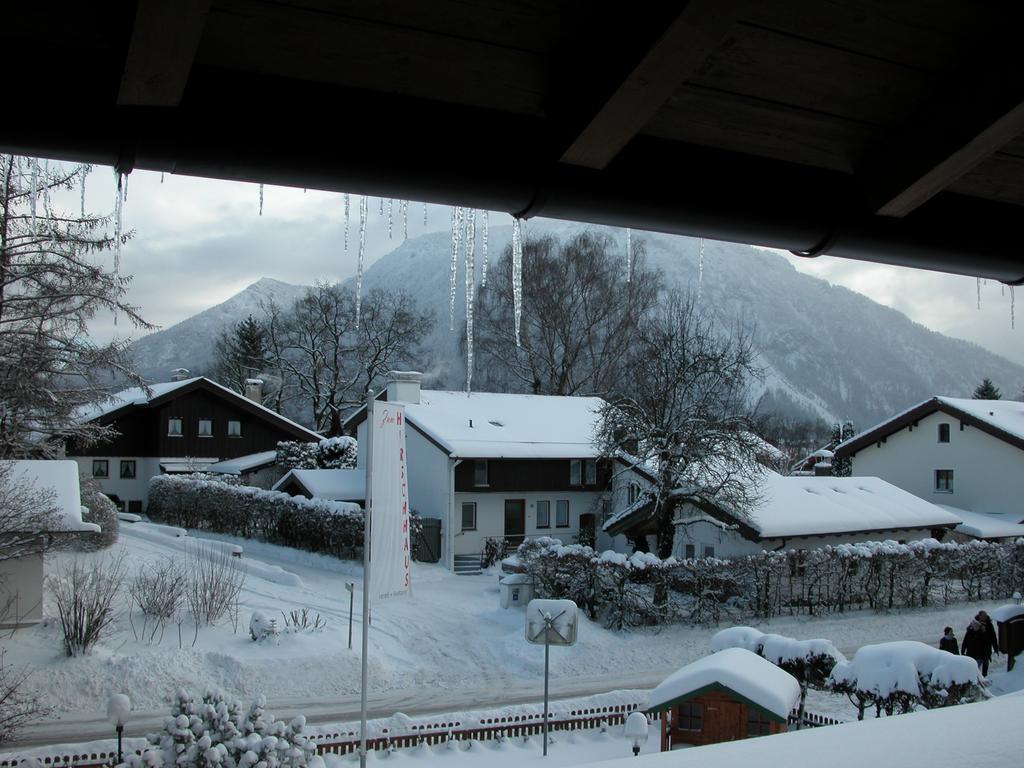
449, 646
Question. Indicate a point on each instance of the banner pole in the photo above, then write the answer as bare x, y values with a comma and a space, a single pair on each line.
366, 582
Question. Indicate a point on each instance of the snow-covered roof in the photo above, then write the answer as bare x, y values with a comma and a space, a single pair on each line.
1001, 418
804, 506
970, 734
1007, 612
739, 670
243, 464
59, 477
139, 396
987, 525
508, 426
334, 484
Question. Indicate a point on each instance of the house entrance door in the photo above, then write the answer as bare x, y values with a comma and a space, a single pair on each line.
515, 521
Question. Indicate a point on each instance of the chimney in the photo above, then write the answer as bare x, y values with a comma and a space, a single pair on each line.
404, 387
254, 390
180, 374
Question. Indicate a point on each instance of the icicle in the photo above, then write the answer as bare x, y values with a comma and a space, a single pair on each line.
483, 252
118, 219
1013, 310
346, 221
517, 273
470, 291
161, 177
700, 271
82, 190
261, 199
363, 205
391, 214
424, 214
979, 291
457, 219
46, 186
629, 254
405, 219
382, 206
34, 192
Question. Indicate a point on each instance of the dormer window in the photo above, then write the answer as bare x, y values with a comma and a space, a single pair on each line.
943, 433
174, 426
205, 428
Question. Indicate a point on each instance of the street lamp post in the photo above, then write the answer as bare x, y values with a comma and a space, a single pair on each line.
636, 730
119, 707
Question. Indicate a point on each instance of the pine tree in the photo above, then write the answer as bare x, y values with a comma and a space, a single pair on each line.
987, 391
241, 353
52, 283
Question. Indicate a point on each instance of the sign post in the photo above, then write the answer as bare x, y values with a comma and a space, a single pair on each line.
550, 622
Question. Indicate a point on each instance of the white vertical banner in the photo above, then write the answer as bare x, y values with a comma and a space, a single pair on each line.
389, 504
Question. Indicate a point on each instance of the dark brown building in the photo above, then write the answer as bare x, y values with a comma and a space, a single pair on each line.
176, 426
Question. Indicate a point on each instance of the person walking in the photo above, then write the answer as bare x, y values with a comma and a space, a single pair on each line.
948, 642
980, 641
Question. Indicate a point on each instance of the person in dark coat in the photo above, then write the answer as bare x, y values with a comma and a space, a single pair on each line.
980, 641
948, 641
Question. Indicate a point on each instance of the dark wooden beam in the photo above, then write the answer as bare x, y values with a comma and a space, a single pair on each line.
977, 113
165, 38
647, 83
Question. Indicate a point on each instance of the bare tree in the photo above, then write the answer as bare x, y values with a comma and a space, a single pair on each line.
686, 414
26, 514
580, 311
51, 286
326, 362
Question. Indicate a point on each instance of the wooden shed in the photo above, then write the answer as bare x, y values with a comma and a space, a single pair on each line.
729, 695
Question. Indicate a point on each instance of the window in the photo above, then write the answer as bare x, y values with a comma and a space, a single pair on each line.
691, 551
632, 493
757, 723
944, 480
469, 515
590, 471
943, 433
562, 514
480, 472
543, 514
100, 468
234, 429
127, 469
709, 551
135, 507
575, 472
205, 428
174, 427
691, 717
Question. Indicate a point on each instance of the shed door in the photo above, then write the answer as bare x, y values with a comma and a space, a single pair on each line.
724, 721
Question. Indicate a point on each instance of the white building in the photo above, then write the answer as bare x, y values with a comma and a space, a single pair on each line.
799, 512
499, 466
963, 454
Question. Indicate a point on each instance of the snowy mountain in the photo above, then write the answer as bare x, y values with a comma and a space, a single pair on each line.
826, 350
189, 344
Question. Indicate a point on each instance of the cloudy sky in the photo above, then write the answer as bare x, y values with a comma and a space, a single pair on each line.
198, 241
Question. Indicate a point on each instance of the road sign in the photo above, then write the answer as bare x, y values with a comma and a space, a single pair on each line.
551, 622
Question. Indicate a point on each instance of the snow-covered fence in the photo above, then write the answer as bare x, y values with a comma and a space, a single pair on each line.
639, 589
317, 525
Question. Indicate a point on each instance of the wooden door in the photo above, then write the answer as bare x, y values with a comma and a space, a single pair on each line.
724, 721
515, 521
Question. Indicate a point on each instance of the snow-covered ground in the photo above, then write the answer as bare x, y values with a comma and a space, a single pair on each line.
449, 646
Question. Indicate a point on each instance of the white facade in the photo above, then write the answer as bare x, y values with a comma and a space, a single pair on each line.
988, 473
131, 489
627, 485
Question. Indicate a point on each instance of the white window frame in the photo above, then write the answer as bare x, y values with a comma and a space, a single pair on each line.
181, 426
948, 485
561, 504
238, 432
481, 467
471, 504
590, 472
547, 514
199, 428
575, 472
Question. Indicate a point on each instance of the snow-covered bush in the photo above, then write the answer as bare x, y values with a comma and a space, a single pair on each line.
85, 595
99, 509
158, 589
317, 525
810, 661
902, 675
262, 628
296, 454
337, 453
215, 732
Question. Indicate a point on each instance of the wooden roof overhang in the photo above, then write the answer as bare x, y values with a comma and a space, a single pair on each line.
882, 131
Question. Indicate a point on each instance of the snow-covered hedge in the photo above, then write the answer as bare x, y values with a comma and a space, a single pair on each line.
630, 590
215, 732
317, 525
